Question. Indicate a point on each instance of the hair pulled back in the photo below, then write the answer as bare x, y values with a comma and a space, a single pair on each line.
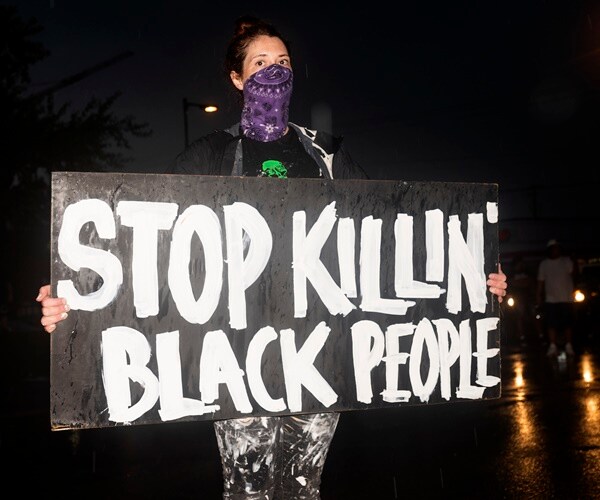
247, 29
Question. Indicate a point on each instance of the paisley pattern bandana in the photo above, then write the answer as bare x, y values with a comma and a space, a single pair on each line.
267, 96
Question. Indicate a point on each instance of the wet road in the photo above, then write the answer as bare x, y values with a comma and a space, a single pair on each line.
541, 439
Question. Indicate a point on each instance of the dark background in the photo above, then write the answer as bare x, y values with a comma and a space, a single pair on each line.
451, 91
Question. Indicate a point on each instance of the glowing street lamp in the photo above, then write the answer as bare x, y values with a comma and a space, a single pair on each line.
207, 108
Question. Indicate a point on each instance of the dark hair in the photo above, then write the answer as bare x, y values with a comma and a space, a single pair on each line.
247, 29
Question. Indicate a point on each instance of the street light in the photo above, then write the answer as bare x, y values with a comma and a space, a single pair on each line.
207, 108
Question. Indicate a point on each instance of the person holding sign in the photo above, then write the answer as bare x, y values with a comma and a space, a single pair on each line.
274, 456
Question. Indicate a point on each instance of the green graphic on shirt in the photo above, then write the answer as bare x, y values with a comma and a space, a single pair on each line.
274, 168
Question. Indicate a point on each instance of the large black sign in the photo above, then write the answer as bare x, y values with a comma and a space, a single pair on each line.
201, 298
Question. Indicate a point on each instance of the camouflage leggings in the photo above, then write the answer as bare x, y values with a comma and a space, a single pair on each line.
278, 458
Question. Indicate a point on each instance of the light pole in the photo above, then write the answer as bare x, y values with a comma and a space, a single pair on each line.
207, 108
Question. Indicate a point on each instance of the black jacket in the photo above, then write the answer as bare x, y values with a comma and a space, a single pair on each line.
220, 153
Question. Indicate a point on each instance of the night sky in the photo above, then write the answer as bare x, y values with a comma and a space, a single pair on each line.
502, 92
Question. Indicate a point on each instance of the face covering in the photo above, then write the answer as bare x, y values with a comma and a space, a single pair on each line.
266, 103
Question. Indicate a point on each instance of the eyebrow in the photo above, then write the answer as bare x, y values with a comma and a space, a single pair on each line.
285, 54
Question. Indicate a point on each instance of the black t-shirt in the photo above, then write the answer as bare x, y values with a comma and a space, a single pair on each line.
284, 158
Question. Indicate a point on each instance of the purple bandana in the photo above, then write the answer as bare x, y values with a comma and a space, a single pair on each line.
266, 103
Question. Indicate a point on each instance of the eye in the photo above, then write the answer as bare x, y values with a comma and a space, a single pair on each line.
284, 62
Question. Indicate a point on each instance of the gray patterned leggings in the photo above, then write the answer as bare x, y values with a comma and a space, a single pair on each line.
278, 458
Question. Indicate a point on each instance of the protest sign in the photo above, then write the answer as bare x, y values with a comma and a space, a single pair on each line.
203, 298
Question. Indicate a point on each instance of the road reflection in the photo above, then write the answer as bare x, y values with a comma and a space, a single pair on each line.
553, 411
526, 457
587, 437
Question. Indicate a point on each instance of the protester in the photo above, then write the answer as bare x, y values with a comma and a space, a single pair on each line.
275, 456
555, 292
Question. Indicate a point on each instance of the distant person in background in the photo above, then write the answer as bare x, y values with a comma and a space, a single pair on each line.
555, 292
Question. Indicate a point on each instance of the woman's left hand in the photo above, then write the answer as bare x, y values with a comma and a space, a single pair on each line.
497, 283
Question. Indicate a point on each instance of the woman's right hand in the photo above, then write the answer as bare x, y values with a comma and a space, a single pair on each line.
53, 309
